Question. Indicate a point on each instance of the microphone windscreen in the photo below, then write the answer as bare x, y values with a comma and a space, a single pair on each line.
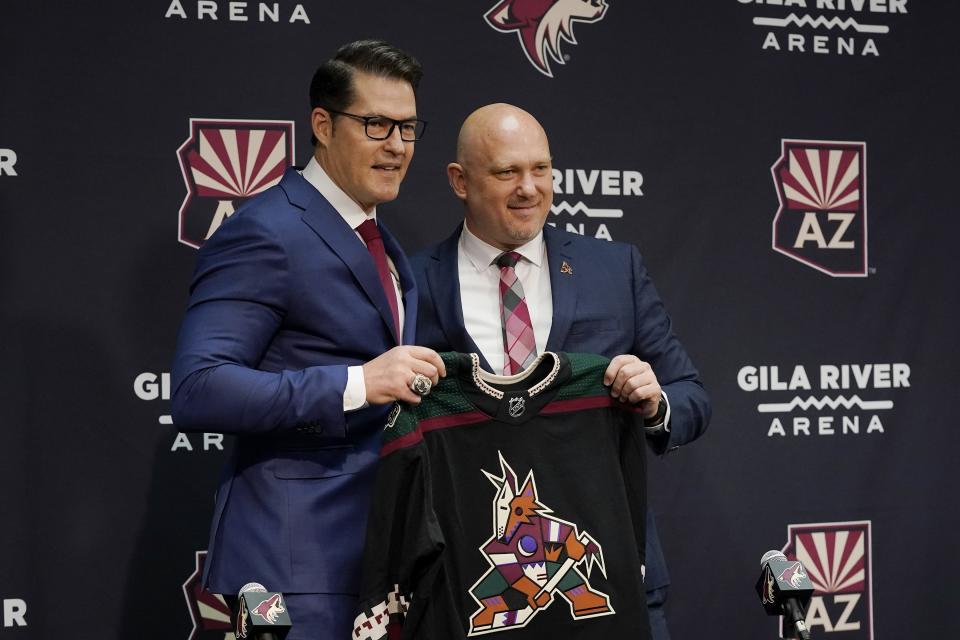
254, 587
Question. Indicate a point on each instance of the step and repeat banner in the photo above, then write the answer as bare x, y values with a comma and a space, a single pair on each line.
786, 167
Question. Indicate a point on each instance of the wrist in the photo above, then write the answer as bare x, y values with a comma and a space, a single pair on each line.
656, 420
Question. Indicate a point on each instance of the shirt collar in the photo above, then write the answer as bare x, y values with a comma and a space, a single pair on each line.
348, 209
482, 255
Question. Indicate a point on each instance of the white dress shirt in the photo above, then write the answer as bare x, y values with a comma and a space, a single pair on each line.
355, 394
480, 297
480, 293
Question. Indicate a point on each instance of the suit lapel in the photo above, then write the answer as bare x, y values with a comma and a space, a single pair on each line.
320, 216
443, 280
563, 286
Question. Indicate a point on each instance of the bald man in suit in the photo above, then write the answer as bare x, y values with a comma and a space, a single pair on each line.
580, 295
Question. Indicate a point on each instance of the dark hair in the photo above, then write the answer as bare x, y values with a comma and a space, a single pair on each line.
332, 84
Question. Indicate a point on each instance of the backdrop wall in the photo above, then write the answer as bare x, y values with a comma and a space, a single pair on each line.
787, 169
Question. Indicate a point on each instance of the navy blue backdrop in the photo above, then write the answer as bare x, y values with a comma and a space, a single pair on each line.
786, 168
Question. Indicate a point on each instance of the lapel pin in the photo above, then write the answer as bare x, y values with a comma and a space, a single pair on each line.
566, 268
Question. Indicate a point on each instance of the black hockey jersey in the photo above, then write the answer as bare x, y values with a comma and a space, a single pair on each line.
511, 506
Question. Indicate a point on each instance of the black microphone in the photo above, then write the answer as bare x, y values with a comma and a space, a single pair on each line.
785, 589
261, 614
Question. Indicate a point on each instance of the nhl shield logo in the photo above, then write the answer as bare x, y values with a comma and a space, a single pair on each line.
516, 406
822, 218
224, 162
541, 25
838, 560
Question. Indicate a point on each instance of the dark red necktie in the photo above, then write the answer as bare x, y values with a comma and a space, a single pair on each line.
371, 235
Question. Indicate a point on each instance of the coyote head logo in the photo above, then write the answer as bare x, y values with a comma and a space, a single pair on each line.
794, 575
769, 595
514, 504
542, 24
270, 609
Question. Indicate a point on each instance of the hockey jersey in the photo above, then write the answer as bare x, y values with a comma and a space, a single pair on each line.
509, 505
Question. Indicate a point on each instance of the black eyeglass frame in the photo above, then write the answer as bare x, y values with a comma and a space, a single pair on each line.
393, 125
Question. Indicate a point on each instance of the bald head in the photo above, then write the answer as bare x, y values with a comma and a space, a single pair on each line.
503, 174
496, 125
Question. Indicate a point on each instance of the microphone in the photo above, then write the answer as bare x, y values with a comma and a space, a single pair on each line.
261, 614
785, 590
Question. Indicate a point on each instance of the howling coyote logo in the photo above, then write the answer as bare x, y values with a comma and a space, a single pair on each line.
270, 609
794, 575
540, 25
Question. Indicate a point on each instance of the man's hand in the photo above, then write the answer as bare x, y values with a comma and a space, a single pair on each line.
387, 377
632, 380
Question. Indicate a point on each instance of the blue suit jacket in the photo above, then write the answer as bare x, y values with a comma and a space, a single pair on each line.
607, 305
285, 296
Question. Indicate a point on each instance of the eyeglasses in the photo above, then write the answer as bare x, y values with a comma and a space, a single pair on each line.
381, 127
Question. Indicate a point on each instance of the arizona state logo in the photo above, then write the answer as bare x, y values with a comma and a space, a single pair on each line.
542, 24
822, 219
838, 560
533, 558
225, 162
208, 611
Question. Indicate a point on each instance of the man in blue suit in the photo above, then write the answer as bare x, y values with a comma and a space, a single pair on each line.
292, 339
575, 294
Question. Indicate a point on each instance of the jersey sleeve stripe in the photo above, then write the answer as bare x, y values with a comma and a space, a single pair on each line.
432, 424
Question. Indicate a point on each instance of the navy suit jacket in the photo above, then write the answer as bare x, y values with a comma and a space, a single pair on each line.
284, 298
606, 305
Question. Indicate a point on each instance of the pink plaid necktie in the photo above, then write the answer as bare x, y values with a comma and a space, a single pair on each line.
371, 235
519, 345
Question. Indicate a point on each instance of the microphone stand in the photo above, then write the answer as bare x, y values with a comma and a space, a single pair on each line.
794, 613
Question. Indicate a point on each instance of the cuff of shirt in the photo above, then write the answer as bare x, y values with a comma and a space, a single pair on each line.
665, 424
355, 393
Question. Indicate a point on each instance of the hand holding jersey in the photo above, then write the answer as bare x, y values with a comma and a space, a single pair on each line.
387, 377
632, 380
